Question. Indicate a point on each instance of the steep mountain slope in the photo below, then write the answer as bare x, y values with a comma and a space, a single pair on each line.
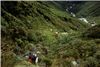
50, 30
80, 8
89, 10
23, 23
43, 10
93, 32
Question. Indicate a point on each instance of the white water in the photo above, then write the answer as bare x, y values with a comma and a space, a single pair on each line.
71, 7
66, 9
93, 24
84, 20
73, 14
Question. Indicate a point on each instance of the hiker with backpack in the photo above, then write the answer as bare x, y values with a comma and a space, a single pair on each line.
33, 58
31, 55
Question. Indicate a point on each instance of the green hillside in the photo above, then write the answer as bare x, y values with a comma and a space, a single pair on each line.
80, 8
45, 26
90, 9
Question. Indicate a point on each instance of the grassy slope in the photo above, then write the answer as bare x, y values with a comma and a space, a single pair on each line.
28, 22
90, 9
25, 23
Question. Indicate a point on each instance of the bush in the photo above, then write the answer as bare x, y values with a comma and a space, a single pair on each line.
91, 62
47, 61
63, 39
35, 37
93, 32
8, 59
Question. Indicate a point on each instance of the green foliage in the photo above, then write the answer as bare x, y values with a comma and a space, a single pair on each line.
47, 61
91, 62
8, 59
33, 24
63, 39
93, 32
89, 9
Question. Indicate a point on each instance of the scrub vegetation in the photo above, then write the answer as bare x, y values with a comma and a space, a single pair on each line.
46, 26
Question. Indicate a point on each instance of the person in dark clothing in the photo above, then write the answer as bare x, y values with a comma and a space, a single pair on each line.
33, 58
30, 58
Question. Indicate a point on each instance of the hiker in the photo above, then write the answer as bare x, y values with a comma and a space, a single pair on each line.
30, 57
33, 58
